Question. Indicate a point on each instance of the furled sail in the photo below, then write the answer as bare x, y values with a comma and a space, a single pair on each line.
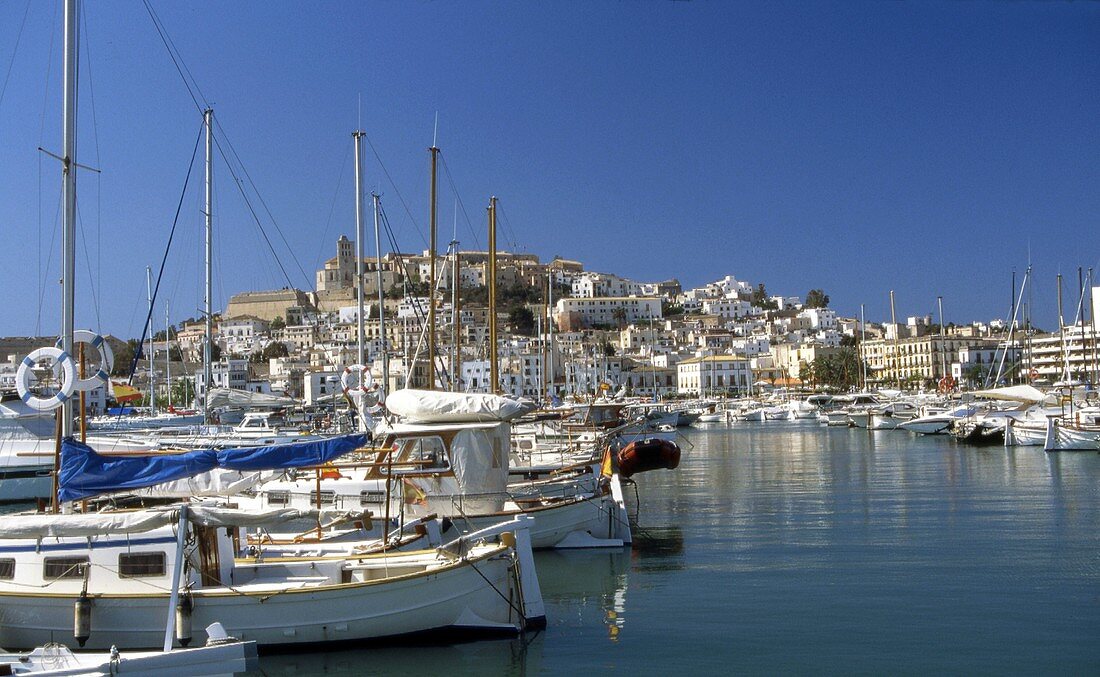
85, 473
432, 406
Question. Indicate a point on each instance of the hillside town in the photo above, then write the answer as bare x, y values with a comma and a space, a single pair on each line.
567, 331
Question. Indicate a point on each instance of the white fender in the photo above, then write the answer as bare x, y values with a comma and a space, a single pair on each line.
63, 362
106, 359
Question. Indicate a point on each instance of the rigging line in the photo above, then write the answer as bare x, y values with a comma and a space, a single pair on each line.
255, 217
49, 262
98, 274
91, 276
170, 47
260, 197
400, 197
332, 207
14, 51
462, 205
164, 259
508, 222
43, 271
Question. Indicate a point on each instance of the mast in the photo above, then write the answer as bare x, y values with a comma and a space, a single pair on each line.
152, 351
381, 296
1092, 328
943, 339
1062, 331
357, 135
208, 310
550, 330
167, 353
494, 376
897, 354
68, 195
432, 227
1081, 323
456, 316
862, 340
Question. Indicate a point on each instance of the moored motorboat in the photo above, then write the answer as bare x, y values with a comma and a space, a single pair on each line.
649, 454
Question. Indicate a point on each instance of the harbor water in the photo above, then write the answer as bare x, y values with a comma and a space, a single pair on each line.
794, 548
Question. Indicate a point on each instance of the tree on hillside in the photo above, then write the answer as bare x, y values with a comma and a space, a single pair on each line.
760, 298
522, 321
124, 359
817, 298
759, 295
619, 315
278, 323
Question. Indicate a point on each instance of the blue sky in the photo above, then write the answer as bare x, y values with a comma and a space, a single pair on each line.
857, 147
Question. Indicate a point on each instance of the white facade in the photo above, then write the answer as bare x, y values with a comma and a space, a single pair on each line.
728, 308
602, 310
225, 373
820, 318
242, 335
319, 386
714, 374
593, 285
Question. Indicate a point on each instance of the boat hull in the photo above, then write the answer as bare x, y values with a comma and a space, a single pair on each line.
457, 597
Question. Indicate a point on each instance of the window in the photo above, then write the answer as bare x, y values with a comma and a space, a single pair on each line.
139, 564
7, 568
64, 567
421, 453
327, 496
371, 497
278, 498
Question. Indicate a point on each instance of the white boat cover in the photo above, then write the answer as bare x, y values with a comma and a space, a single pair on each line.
217, 482
231, 397
138, 521
478, 468
1020, 393
430, 406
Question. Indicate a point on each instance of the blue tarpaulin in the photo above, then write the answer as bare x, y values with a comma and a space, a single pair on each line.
84, 473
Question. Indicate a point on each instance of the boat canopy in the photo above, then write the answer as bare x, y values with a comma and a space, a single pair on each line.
139, 521
231, 397
85, 473
430, 406
1020, 393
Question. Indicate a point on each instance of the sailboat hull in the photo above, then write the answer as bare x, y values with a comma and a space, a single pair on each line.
459, 597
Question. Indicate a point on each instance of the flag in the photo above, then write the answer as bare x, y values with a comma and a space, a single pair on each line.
606, 468
329, 471
124, 393
413, 494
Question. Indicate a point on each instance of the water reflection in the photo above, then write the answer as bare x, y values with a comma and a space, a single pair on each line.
585, 588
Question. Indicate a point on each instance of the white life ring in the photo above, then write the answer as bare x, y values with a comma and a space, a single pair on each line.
365, 378
63, 362
106, 359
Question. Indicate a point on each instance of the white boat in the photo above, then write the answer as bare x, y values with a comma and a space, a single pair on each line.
837, 417
776, 413
124, 572
800, 410
892, 415
754, 415
223, 655
1026, 433
939, 423
720, 416
1063, 435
